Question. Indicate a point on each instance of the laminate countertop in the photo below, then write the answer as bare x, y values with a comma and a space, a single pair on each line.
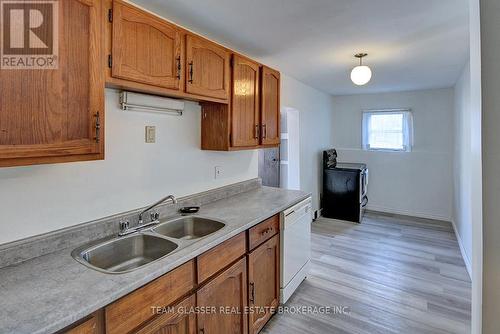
50, 292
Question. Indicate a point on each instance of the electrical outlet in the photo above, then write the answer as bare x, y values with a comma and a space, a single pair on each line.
219, 172
150, 134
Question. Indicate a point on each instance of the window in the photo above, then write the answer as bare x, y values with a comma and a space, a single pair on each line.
387, 130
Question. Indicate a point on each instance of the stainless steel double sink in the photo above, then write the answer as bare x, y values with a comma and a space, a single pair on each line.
124, 254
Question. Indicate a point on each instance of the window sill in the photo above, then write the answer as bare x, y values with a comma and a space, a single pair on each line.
384, 150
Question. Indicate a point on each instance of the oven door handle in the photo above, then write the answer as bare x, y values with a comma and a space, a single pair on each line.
364, 203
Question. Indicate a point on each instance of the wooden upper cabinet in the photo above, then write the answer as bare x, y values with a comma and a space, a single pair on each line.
245, 114
229, 292
146, 49
57, 115
207, 68
270, 107
263, 282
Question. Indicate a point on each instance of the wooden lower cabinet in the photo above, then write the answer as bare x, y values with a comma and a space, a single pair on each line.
224, 300
94, 324
221, 256
263, 283
232, 288
262, 232
179, 320
88, 327
133, 310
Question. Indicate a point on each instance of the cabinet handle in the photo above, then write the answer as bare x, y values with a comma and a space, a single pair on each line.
190, 72
179, 68
97, 127
264, 131
252, 292
266, 231
257, 131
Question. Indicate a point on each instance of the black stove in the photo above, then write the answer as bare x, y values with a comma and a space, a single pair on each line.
345, 187
350, 165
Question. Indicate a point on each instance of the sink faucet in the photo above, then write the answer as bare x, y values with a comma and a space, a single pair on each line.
125, 229
169, 197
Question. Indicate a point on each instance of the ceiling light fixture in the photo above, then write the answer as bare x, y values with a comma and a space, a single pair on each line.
362, 74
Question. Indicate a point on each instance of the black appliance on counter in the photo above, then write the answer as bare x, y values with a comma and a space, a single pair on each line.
345, 187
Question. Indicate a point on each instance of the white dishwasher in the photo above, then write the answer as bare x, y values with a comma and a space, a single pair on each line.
295, 236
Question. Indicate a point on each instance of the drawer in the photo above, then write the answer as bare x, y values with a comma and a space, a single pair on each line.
134, 309
263, 232
179, 319
93, 324
221, 256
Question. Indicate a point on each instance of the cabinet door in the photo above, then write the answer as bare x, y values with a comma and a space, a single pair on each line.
227, 295
94, 324
207, 69
57, 115
270, 109
245, 103
263, 283
88, 327
145, 49
180, 320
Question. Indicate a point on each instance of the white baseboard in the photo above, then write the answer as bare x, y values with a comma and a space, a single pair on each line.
468, 263
320, 212
380, 208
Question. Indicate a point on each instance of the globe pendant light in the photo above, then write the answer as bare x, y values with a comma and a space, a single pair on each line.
361, 75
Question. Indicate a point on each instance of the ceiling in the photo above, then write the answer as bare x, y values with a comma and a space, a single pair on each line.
412, 45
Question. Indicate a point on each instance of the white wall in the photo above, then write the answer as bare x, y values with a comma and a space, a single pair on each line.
315, 115
290, 149
39, 199
490, 49
418, 183
463, 166
476, 156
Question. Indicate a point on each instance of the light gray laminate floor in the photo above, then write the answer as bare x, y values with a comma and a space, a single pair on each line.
395, 274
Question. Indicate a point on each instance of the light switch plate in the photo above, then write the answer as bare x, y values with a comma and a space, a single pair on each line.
218, 172
150, 134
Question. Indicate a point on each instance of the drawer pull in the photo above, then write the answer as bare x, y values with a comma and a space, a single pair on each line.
263, 231
290, 213
267, 231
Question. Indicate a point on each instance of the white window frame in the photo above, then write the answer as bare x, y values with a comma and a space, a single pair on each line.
407, 129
